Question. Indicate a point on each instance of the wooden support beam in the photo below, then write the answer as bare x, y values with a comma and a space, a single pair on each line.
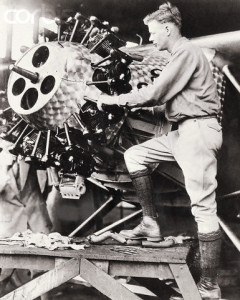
139, 289
46, 282
102, 264
43, 263
185, 281
104, 282
139, 269
97, 264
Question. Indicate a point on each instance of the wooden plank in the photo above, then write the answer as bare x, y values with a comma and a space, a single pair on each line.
15, 249
101, 264
27, 262
139, 289
104, 282
45, 282
150, 270
77, 279
185, 281
60, 261
107, 252
103, 252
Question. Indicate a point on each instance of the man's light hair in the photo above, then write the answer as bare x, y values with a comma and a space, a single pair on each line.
167, 13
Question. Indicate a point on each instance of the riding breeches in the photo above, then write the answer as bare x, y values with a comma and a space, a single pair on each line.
194, 146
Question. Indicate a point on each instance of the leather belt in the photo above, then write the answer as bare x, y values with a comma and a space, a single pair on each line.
175, 125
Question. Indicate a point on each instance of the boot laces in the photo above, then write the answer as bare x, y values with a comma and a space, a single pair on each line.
208, 283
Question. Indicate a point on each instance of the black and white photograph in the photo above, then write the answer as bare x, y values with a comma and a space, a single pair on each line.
119, 149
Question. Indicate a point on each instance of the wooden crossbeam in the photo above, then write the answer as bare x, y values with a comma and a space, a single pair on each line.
46, 282
104, 282
97, 265
185, 281
139, 289
138, 269
43, 263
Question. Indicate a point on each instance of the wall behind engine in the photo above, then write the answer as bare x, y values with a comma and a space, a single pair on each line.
200, 17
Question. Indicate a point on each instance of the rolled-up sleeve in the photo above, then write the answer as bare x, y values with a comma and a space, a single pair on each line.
171, 81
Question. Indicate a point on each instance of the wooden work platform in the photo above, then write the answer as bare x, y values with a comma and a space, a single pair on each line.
97, 265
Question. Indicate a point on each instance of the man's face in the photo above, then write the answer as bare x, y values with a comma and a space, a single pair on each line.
158, 34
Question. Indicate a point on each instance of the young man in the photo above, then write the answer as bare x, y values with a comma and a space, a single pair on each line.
187, 88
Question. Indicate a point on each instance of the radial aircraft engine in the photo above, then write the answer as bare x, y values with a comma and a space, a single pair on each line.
59, 127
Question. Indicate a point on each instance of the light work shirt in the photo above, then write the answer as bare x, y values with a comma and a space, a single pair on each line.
186, 85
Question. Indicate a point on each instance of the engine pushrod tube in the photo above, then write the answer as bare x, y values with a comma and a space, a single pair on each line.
67, 134
3, 111
101, 61
15, 127
19, 140
46, 154
25, 73
109, 81
77, 18
80, 122
87, 34
36, 144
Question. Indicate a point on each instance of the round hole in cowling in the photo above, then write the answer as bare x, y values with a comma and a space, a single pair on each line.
47, 84
40, 56
18, 86
29, 98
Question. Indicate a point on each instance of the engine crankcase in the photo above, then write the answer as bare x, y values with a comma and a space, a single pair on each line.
63, 70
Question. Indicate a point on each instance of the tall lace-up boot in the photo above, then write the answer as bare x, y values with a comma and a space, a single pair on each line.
210, 247
149, 227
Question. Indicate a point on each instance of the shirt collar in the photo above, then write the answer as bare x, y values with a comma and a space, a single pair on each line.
178, 43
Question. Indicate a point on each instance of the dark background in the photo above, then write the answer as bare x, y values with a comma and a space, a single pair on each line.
200, 17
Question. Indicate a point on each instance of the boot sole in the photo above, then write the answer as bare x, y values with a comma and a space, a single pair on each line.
181, 298
213, 298
150, 239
